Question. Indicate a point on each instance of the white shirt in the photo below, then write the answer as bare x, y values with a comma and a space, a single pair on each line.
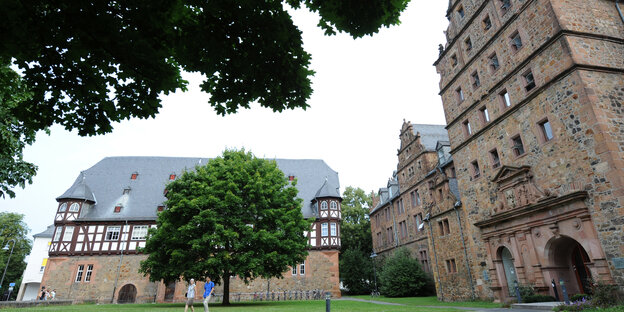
190, 293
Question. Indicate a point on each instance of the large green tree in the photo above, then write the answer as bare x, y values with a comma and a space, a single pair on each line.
13, 234
91, 63
236, 216
356, 267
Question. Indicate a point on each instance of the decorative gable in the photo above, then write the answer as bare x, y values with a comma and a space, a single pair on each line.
516, 188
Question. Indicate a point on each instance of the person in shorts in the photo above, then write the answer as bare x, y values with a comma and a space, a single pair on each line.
208, 289
190, 296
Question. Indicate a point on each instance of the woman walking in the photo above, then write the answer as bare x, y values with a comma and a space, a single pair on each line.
190, 296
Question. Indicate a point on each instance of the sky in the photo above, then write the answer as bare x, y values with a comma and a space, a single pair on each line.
363, 90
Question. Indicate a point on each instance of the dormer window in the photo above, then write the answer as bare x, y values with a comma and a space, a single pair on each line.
324, 205
160, 208
117, 209
63, 207
126, 191
134, 176
333, 205
291, 178
172, 176
75, 207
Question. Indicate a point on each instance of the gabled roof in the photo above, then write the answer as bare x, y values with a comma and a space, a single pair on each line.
108, 178
47, 233
430, 135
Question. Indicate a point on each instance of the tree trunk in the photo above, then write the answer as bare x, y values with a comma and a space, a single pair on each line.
226, 289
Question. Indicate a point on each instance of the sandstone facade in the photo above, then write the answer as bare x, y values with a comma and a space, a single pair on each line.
533, 93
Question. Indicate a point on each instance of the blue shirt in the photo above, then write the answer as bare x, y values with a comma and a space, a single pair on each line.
208, 288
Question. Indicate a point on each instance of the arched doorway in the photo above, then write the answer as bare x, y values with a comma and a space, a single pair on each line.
509, 269
571, 261
127, 294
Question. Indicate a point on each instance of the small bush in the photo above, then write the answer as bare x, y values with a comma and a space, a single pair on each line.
604, 295
579, 297
538, 298
580, 305
402, 276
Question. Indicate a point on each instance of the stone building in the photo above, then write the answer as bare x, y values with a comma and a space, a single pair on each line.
419, 210
103, 218
533, 93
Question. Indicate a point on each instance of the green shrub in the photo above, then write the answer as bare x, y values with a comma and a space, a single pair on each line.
604, 295
579, 297
402, 276
356, 272
538, 298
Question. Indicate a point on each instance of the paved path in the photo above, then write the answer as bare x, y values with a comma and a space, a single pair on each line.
439, 307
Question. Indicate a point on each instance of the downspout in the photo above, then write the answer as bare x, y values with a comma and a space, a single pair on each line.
118, 266
394, 229
617, 6
461, 232
435, 256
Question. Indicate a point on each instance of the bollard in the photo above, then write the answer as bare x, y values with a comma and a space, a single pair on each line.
554, 286
564, 291
327, 301
518, 292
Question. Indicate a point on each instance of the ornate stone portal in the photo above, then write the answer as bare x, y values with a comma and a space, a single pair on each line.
535, 236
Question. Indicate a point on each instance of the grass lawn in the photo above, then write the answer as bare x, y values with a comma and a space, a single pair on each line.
281, 306
432, 301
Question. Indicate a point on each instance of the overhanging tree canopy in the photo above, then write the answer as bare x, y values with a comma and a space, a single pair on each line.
236, 216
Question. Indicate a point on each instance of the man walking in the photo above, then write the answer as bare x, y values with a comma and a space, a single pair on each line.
190, 296
208, 289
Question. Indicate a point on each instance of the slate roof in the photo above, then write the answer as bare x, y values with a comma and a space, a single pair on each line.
328, 190
430, 135
109, 177
79, 190
47, 233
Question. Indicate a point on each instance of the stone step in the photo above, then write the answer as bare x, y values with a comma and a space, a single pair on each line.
539, 306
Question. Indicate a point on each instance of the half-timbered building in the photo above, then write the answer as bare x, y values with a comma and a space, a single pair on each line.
102, 220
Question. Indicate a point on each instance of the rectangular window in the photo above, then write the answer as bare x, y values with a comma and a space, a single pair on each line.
294, 269
89, 272
302, 268
450, 266
112, 232
460, 11
417, 197
516, 41
139, 232
504, 96
418, 222
117, 209
546, 130
447, 229
476, 82
324, 230
79, 273
468, 43
413, 198
379, 239
440, 194
441, 228
57, 233
518, 147
467, 128
387, 214
495, 158
390, 234
424, 260
494, 64
332, 228
69, 232
41, 269
476, 172
460, 94
505, 5
487, 23
454, 60
485, 115
529, 81
401, 207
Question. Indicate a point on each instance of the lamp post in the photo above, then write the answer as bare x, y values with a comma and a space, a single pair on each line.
373, 256
8, 260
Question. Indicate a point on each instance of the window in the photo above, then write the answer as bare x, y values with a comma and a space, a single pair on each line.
387, 213
504, 96
516, 41
450, 266
69, 232
134, 176
333, 205
485, 115
417, 197
424, 260
390, 234
460, 94
529, 81
294, 270
518, 147
495, 159
476, 82
546, 130
160, 208
487, 23
75, 207
505, 5
401, 207
403, 228
475, 169
454, 60
324, 229
291, 178
172, 176
139, 232
460, 11
440, 194
467, 128
117, 208
302, 269
418, 222
324, 205
89, 273
379, 239
494, 64
332, 227
41, 269
126, 191
57, 234
468, 43
112, 232
413, 198
63, 207
79, 273
443, 227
